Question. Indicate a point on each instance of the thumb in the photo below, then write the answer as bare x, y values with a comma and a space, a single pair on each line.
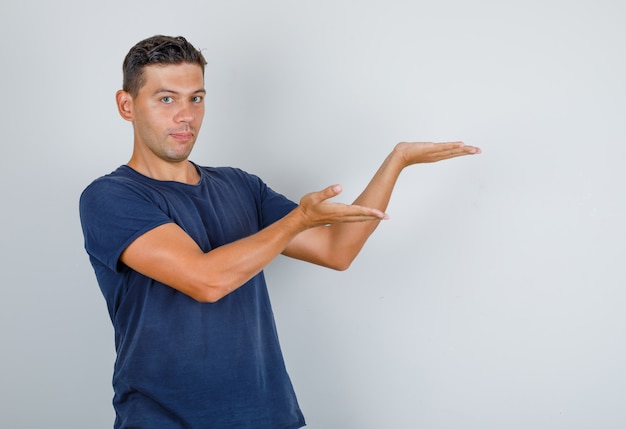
319, 196
332, 191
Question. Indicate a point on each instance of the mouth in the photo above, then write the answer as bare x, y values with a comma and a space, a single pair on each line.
182, 137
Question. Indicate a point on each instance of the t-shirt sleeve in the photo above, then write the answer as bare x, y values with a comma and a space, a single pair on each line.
113, 215
272, 205
275, 206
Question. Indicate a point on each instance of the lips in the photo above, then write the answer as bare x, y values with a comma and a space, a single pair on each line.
182, 136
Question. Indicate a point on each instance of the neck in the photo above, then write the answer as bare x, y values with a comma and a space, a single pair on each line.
180, 171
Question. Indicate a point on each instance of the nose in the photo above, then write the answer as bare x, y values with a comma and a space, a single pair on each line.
185, 113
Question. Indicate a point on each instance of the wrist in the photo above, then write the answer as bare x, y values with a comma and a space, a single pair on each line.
297, 220
398, 158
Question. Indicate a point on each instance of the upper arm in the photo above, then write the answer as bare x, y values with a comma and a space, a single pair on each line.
316, 246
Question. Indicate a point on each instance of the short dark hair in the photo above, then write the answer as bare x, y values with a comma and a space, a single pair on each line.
161, 50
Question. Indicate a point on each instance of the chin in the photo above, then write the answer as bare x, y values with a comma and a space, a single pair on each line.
177, 157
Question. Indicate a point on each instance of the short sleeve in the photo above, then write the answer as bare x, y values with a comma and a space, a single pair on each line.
113, 214
272, 205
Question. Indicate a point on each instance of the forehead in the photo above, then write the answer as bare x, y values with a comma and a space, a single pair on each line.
177, 77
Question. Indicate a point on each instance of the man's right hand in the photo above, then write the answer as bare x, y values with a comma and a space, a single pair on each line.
318, 211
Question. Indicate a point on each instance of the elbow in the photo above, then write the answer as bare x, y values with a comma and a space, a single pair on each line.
340, 264
338, 261
210, 292
205, 296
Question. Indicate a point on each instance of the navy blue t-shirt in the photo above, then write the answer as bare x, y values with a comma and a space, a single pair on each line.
181, 363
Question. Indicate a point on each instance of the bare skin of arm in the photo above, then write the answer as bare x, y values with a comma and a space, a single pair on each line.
337, 245
170, 256
317, 231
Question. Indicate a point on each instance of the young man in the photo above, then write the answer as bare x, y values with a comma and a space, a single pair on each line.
179, 249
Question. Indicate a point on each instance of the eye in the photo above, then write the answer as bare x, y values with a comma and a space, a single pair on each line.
167, 99
197, 99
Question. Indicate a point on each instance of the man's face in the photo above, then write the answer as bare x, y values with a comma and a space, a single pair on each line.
168, 110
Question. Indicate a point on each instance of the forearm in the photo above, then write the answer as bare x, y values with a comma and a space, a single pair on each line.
344, 239
170, 256
348, 239
226, 268
336, 246
378, 191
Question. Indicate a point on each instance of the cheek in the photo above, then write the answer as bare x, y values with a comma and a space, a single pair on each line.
157, 120
199, 116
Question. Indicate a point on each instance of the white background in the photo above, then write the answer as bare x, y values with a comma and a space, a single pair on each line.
494, 296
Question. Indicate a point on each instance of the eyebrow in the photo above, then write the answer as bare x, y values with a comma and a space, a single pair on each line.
171, 91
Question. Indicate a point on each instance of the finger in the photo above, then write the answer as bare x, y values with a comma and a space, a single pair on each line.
460, 147
368, 212
331, 191
460, 150
358, 218
438, 149
449, 145
377, 213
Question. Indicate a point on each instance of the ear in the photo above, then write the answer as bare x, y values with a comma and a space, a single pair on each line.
124, 104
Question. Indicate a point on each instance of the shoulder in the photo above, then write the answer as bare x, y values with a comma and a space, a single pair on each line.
117, 177
121, 181
226, 171
120, 191
232, 176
